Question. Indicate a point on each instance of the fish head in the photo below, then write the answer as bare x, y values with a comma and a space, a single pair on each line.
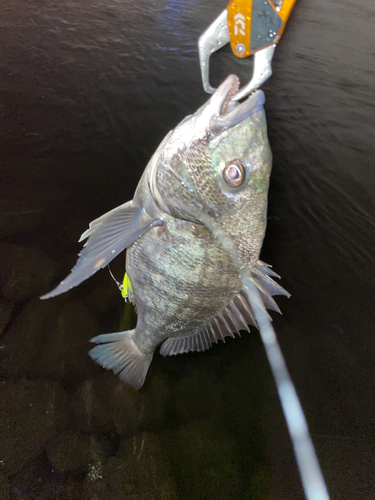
214, 169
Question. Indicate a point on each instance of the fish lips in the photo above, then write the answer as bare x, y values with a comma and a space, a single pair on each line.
227, 113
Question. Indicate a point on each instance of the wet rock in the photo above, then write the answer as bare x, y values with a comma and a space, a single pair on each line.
6, 309
157, 397
133, 411
141, 471
127, 408
25, 272
4, 488
91, 405
75, 452
27, 339
31, 412
28, 481
107, 405
50, 339
76, 325
203, 456
60, 488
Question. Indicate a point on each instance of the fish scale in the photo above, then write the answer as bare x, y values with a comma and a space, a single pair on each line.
188, 270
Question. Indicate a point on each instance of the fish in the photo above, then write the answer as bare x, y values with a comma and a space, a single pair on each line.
206, 184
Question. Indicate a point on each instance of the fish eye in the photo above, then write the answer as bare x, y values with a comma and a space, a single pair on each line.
234, 173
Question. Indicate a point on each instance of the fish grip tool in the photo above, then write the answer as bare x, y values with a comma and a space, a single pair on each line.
252, 27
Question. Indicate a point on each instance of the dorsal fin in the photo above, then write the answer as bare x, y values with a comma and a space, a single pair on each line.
234, 317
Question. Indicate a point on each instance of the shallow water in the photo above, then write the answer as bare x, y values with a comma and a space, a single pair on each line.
88, 90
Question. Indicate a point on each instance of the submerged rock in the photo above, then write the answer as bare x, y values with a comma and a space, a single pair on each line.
31, 412
28, 481
204, 460
134, 411
126, 408
25, 272
75, 452
6, 309
141, 471
70, 345
107, 405
60, 488
27, 339
91, 405
157, 397
4, 489
50, 339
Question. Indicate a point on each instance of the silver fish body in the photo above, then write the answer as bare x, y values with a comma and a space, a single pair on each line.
211, 171
180, 276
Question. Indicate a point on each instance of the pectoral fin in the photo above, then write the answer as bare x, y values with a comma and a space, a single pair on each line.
93, 226
107, 237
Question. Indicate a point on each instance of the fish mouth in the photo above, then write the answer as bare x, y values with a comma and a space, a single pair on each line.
228, 113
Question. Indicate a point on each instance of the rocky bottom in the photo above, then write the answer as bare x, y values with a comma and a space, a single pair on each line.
204, 426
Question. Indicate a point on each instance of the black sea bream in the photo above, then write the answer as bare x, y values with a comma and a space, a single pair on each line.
211, 171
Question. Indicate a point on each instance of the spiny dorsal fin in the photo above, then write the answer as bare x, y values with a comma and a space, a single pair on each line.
233, 318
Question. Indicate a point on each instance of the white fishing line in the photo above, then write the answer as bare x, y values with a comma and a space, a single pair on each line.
310, 471
119, 285
311, 475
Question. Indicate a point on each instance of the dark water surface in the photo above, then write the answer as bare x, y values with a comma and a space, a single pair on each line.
88, 90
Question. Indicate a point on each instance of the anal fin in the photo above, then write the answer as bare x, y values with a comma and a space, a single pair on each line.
233, 318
